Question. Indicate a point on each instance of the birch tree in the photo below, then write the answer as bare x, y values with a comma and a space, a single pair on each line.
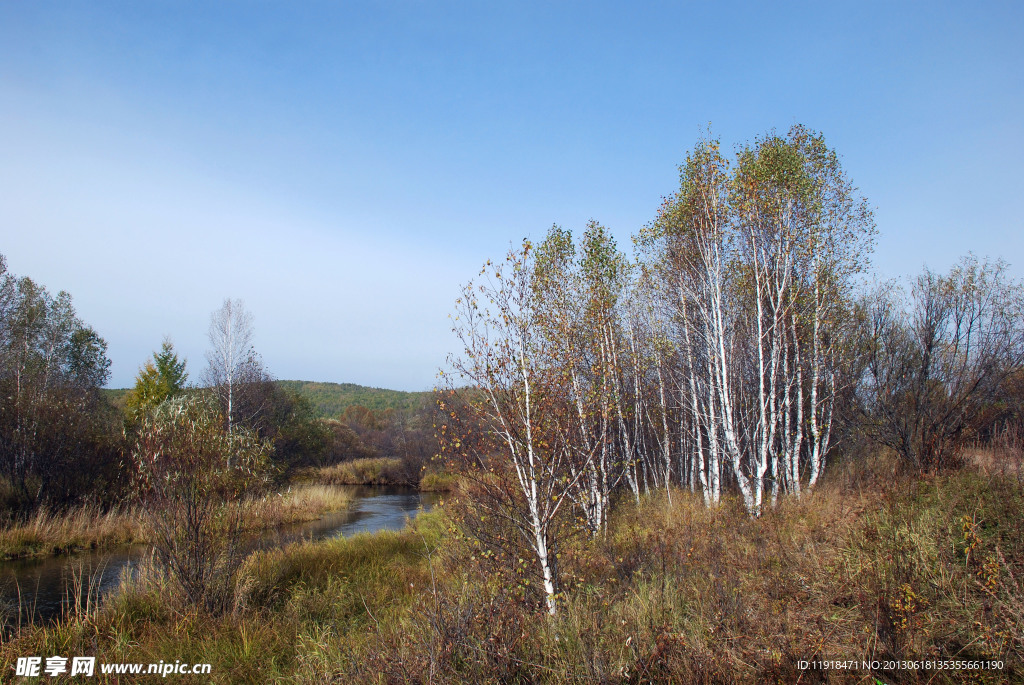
506, 413
580, 292
688, 248
231, 356
837, 240
758, 262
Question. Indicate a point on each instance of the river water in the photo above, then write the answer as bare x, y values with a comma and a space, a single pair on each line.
41, 585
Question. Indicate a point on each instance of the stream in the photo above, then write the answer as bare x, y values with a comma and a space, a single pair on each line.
40, 585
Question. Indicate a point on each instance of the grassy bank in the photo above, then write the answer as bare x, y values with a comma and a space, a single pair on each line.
302, 612
88, 527
383, 471
297, 503
434, 481
867, 568
374, 471
870, 566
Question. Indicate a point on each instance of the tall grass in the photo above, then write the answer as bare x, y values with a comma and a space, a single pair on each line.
869, 566
87, 527
1003, 454
297, 503
301, 612
676, 592
433, 481
383, 471
375, 471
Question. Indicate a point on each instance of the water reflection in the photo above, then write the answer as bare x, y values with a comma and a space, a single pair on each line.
42, 586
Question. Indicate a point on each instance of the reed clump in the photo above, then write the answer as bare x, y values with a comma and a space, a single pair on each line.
372, 471
52, 532
295, 504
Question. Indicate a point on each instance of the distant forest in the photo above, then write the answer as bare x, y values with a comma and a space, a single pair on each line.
330, 400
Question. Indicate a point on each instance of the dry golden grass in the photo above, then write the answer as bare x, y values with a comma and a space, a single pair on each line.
88, 527
300, 613
873, 565
303, 502
376, 471
1003, 455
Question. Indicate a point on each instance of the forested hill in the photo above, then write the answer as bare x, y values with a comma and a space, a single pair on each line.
330, 399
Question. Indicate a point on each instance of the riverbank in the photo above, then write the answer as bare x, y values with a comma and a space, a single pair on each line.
88, 527
868, 567
382, 471
291, 603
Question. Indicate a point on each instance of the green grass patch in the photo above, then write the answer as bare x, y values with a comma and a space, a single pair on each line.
434, 481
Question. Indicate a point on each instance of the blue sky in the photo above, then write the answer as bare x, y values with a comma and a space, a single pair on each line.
344, 167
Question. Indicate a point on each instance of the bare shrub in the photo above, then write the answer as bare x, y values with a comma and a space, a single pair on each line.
937, 361
190, 478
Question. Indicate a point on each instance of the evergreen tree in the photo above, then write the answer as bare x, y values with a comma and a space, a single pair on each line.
161, 378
